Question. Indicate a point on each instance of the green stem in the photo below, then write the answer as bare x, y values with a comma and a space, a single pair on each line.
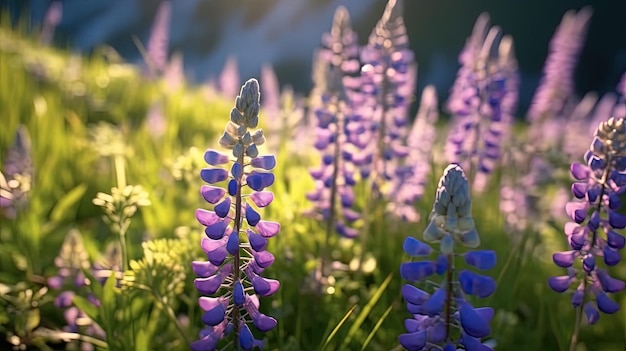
332, 215
172, 317
237, 269
123, 249
366, 215
120, 171
448, 307
574, 338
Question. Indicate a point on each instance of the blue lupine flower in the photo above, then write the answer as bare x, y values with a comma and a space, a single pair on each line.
444, 318
595, 210
236, 234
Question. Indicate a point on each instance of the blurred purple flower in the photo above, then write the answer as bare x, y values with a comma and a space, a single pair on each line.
411, 182
16, 178
157, 49
483, 101
335, 111
229, 81
555, 90
388, 77
53, 17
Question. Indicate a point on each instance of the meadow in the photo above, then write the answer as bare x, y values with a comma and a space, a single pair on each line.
102, 169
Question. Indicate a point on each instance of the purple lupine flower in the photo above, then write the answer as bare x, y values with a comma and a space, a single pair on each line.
514, 207
69, 281
174, 73
420, 141
53, 17
388, 79
336, 65
229, 81
271, 92
598, 186
465, 96
284, 114
17, 175
552, 97
577, 125
155, 123
483, 101
497, 110
443, 317
158, 42
236, 233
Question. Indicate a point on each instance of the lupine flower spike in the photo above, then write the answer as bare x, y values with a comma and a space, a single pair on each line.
443, 318
482, 101
157, 49
417, 167
53, 17
592, 236
236, 235
550, 102
388, 79
333, 196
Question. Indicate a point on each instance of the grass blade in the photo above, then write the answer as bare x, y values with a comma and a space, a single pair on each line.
376, 327
365, 312
332, 334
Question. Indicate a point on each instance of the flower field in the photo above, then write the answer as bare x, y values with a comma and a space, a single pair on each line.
142, 212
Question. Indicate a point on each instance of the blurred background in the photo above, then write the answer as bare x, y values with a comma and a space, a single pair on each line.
285, 33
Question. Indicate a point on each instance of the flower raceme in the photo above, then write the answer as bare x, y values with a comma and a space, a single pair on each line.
236, 235
443, 318
593, 236
337, 124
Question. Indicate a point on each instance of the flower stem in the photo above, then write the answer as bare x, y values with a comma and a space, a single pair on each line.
123, 249
236, 256
172, 317
120, 171
448, 306
574, 338
332, 215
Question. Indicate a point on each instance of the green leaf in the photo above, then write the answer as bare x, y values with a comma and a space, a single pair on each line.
108, 292
142, 340
66, 207
34, 318
94, 285
87, 307
375, 329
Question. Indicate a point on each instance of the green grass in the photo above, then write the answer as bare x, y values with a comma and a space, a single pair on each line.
61, 98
